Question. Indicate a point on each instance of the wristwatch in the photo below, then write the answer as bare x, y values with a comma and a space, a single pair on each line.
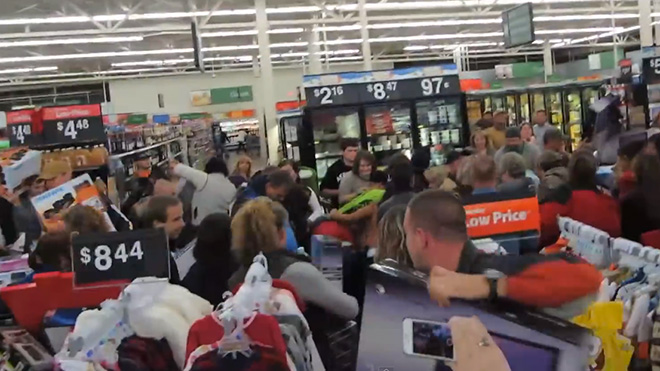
493, 276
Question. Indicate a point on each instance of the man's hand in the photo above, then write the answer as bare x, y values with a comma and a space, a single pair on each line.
335, 214
445, 285
474, 348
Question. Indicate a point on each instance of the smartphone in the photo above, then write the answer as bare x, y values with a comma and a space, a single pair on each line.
427, 339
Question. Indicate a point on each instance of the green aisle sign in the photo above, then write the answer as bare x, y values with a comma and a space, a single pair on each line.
231, 95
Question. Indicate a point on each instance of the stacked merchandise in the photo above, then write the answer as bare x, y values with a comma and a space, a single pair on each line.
200, 141
17, 164
153, 325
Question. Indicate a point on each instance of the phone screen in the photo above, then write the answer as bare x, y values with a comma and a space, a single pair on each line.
432, 339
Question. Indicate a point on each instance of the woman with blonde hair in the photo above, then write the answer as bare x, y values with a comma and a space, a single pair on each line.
259, 226
392, 237
481, 144
438, 178
242, 171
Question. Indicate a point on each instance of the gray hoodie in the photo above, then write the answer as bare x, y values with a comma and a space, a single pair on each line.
552, 179
213, 192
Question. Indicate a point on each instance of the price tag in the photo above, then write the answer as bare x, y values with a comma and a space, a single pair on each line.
382, 91
73, 124
651, 70
19, 128
120, 256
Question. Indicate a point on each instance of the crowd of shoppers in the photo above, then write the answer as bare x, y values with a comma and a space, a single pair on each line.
411, 213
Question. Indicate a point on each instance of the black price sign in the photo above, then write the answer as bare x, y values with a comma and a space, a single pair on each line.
651, 70
120, 256
73, 124
383, 91
19, 128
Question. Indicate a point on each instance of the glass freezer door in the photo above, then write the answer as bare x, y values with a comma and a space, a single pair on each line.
498, 103
524, 108
573, 104
554, 109
511, 109
538, 102
329, 126
289, 132
439, 124
388, 129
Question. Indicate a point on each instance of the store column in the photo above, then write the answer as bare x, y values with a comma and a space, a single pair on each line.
364, 33
547, 60
656, 9
314, 49
269, 117
645, 29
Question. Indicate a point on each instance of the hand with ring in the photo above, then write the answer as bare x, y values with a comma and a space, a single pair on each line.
474, 348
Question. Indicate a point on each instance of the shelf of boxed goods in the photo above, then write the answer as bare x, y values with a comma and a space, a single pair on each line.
143, 149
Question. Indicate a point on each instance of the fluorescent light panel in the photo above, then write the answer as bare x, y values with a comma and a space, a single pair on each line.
28, 70
90, 40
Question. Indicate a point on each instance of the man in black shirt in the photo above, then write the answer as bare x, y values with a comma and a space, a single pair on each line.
330, 183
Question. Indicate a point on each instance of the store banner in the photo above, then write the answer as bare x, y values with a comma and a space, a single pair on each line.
207, 97
19, 129
498, 217
120, 257
137, 119
73, 124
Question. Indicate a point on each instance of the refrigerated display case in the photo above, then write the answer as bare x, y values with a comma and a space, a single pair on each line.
511, 107
388, 129
475, 110
289, 138
574, 116
390, 113
554, 109
525, 107
538, 101
328, 127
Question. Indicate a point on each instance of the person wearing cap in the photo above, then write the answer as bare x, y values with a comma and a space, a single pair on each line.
496, 133
512, 174
553, 172
514, 143
55, 173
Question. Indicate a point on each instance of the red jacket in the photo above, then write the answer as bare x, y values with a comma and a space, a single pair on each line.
590, 207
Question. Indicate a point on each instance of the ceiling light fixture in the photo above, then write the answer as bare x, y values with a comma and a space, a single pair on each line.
90, 40
28, 70
40, 58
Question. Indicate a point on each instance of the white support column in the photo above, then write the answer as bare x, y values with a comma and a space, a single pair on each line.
314, 49
656, 8
268, 126
645, 29
547, 59
364, 33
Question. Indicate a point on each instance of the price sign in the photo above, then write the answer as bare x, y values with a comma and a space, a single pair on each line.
331, 95
651, 70
120, 256
19, 128
383, 91
73, 124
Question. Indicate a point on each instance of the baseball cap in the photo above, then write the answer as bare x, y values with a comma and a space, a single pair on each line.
53, 169
513, 132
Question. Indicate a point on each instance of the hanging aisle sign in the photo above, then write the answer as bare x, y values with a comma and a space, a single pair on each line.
19, 128
73, 124
118, 257
381, 86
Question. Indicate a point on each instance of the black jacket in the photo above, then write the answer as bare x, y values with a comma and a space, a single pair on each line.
208, 281
635, 218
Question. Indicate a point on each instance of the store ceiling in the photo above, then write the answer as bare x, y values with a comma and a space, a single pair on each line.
100, 39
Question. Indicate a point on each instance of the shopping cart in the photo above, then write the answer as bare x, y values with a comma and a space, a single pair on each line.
327, 256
